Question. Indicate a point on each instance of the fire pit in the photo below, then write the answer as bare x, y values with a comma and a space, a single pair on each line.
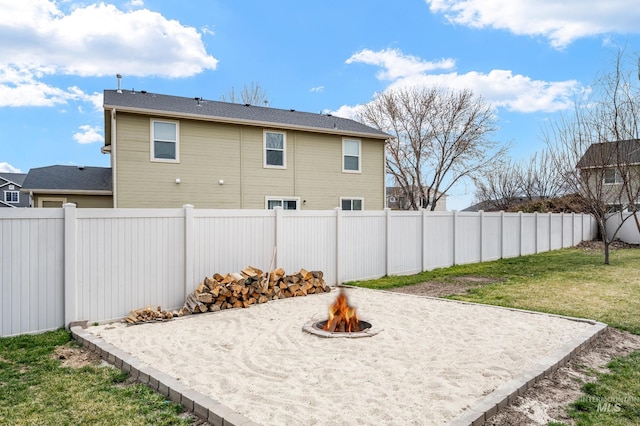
342, 322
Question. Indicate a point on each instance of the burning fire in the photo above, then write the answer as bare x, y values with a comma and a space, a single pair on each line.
342, 317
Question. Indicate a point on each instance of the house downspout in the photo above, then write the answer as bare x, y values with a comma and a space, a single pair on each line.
114, 181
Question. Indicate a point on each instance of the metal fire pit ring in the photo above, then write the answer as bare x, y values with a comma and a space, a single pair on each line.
315, 327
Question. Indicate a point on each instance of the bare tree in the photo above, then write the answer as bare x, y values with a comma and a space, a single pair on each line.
252, 95
596, 149
440, 137
500, 187
503, 186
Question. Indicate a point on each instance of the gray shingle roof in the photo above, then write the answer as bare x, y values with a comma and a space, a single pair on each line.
17, 178
611, 154
68, 178
236, 113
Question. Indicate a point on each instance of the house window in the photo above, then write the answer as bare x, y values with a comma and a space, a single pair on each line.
275, 144
351, 155
285, 203
612, 176
351, 203
11, 197
164, 141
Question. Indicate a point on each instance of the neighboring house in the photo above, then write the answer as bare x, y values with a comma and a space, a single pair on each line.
396, 200
52, 186
10, 184
606, 166
168, 151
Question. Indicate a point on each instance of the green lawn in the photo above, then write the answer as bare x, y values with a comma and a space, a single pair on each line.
569, 282
36, 390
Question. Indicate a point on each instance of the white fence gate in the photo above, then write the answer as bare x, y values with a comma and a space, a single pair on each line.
62, 265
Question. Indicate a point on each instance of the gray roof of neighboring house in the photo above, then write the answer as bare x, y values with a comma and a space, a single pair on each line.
206, 109
611, 154
16, 178
68, 178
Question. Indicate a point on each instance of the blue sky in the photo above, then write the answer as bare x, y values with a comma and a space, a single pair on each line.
528, 58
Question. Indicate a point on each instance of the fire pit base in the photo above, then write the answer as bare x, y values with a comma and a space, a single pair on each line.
315, 327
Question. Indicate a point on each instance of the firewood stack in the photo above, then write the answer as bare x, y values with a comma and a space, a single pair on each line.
251, 286
149, 315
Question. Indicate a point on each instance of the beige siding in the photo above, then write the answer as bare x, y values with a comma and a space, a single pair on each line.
214, 152
81, 201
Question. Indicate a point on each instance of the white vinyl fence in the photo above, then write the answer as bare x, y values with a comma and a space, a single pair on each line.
63, 265
628, 231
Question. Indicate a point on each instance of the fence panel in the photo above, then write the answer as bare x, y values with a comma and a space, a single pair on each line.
405, 243
439, 248
32, 278
309, 241
128, 259
528, 234
362, 245
543, 232
511, 235
230, 240
467, 238
491, 236
556, 231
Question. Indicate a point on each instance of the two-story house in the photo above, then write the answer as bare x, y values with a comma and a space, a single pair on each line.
611, 171
10, 196
167, 151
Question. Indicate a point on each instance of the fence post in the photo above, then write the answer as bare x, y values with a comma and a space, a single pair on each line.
520, 236
188, 249
481, 233
70, 262
573, 229
338, 231
535, 229
279, 236
453, 245
387, 268
501, 234
424, 241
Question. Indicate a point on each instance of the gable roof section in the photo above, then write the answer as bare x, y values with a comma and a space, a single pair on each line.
12, 178
201, 109
69, 179
615, 153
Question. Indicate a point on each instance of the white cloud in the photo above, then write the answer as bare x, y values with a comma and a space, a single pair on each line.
395, 64
562, 22
8, 168
88, 134
317, 89
88, 41
347, 111
501, 88
98, 40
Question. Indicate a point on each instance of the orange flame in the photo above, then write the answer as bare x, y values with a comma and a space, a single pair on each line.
342, 317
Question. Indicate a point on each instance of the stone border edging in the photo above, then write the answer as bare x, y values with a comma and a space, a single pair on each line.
505, 395
202, 406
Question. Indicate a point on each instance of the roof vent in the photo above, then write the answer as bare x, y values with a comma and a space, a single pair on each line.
198, 100
247, 104
119, 77
80, 167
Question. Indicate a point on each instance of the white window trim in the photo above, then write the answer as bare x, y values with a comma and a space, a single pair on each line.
352, 198
4, 196
152, 144
359, 155
617, 177
283, 199
41, 200
264, 149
